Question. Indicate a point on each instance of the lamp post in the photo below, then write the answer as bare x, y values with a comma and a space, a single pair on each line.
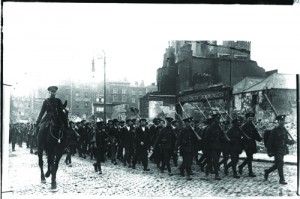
104, 81
104, 87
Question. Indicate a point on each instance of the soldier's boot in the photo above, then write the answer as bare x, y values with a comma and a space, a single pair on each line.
226, 170
266, 175
207, 171
217, 177
281, 175
146, 169
181, 171
283, 182
99, 169
251, 174
95, 167
240, 170
235, 175
133, 166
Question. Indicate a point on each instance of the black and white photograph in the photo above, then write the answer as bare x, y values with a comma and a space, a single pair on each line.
149, 100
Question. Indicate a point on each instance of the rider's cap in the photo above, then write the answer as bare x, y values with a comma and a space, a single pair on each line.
52, 88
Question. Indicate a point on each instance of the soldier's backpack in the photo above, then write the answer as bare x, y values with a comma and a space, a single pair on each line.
266, 136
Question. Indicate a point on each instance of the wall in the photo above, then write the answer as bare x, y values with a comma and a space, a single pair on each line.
218, 68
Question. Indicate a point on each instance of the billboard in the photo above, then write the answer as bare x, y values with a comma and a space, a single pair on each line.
158, 109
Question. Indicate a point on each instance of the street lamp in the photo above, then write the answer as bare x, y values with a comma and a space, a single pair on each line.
104, 87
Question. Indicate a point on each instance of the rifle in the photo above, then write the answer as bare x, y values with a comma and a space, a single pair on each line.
246, 136
134, 110
276, 114
198, 137
201, 111
226, 137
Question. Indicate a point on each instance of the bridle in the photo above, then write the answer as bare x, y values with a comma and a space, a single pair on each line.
60, 134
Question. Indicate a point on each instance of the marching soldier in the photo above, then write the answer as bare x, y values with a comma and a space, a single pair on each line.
203, 144
277, 147
249, 144
196, 125
235, 148
175, 126
142, 142
167, 138
225, 148
213, 140
153, 133
187, 142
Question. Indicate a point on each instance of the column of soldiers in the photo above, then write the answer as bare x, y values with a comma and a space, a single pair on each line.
132, 142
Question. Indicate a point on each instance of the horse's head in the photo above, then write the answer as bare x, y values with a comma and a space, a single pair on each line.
64, 114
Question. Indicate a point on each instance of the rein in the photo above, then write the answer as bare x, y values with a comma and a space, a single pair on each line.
60, 133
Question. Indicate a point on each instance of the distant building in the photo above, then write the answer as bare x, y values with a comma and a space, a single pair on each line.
279, 88
195, 70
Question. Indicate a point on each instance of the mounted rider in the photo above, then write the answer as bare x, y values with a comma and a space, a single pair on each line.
51, 107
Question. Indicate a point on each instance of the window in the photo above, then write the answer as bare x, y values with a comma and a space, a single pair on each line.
115, 98
123, 91
133, 92
123, 98
77, 94
115, 90
133, 100
85, 94
100, 109
77, 104
141, 92
86, 104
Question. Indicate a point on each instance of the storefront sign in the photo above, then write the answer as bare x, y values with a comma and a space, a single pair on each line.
200, 96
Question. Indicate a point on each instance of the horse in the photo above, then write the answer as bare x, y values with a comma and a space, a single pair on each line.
52, 139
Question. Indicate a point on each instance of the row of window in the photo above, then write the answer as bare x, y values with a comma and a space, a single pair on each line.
124, 91
86, 104
124, 99
115, 91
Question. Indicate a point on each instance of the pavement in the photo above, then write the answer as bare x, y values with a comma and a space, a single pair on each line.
119, 181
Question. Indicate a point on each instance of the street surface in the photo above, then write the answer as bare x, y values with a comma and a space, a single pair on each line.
117, 180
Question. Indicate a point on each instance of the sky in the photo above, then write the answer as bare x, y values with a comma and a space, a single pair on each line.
45, 42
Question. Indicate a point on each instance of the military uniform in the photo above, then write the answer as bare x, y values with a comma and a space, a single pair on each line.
50, 107
225, 147
235, 147
167, 138
187, 141
277, 147
249, 145
204, 146
213, 140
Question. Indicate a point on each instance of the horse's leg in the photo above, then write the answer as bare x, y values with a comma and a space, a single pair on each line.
41, 143
50, 160
40, 155
54, 170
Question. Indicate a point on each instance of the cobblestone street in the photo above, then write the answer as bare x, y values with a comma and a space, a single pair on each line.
117, 180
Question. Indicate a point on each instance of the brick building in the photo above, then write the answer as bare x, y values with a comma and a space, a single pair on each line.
195, 70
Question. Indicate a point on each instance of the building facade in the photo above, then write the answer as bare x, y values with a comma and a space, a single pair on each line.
202, 72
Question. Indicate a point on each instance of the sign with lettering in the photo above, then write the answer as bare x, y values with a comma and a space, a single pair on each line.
200, 96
